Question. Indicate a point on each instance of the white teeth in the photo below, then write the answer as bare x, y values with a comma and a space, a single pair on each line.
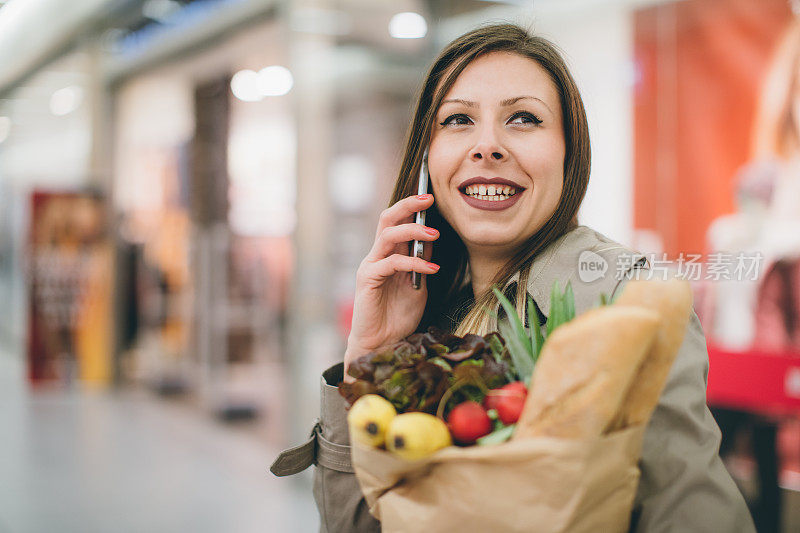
492, 193
495, 198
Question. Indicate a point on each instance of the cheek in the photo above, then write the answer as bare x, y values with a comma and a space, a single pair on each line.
443, 163
544, 160
443, 158
544, 163
438, 186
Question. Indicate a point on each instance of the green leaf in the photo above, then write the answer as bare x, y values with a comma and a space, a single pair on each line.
603, 299
517, 327
498, 436
569, 302
496, 347
555, 308
511, 313
442, 363
562, 306
520, 357
439, 348
498, 353
536, 329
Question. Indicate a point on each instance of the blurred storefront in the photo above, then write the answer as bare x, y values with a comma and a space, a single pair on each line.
52, 215
204, 187
142, 119
241, 151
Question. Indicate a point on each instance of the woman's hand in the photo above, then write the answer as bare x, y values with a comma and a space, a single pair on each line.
387, 308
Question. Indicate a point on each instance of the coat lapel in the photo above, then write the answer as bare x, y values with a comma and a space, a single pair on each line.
563, 258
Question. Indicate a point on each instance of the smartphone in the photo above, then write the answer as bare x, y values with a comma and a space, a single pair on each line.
422, 188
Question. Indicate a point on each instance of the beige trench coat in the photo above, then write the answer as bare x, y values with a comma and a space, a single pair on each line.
684, 486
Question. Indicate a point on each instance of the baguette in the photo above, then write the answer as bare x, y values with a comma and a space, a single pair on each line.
584, 371
672, 300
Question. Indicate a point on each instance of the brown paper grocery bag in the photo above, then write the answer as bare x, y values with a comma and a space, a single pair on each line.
540, 484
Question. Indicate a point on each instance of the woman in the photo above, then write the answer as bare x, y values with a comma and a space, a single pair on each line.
509, 164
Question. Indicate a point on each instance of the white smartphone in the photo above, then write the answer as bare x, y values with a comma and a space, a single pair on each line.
422, 188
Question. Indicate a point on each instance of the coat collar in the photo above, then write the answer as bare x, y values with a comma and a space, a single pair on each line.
560, 260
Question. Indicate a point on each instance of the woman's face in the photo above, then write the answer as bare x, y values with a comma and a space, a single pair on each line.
496, 158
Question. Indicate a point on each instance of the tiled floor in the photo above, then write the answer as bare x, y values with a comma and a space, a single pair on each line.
89, 461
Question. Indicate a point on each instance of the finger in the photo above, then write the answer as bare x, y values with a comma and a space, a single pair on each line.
399, 263
403, 211
389, 238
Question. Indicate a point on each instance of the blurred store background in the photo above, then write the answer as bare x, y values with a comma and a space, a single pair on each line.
188, 186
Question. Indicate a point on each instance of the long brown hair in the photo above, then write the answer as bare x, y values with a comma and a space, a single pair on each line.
449, 251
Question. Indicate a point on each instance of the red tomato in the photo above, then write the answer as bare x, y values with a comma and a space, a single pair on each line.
490, 400
515, 388
509, 408
468, 422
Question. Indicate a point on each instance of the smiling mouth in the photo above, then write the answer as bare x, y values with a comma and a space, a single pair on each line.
490, 189
491, 193
491, 202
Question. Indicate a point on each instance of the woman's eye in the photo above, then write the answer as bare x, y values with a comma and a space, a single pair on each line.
523, 117
456, 120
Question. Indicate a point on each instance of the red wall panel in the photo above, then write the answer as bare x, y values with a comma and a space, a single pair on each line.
700, 64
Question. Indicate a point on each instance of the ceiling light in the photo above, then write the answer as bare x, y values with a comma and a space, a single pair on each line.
408, 25
65, 101
244, 86
275, 80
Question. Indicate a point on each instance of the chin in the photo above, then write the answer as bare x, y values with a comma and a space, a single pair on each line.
494, 238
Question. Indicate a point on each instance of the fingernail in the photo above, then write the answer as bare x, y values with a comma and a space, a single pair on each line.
423, 196
431, 231
434, 266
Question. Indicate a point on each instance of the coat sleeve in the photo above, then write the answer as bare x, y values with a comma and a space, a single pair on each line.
341, 506
684, 485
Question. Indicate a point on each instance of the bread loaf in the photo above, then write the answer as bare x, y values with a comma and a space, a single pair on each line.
584, 372
672, 300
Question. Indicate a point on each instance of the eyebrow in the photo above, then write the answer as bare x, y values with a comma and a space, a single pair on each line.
503, 103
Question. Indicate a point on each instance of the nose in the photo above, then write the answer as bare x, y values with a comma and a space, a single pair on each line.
480, 154
488, 148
